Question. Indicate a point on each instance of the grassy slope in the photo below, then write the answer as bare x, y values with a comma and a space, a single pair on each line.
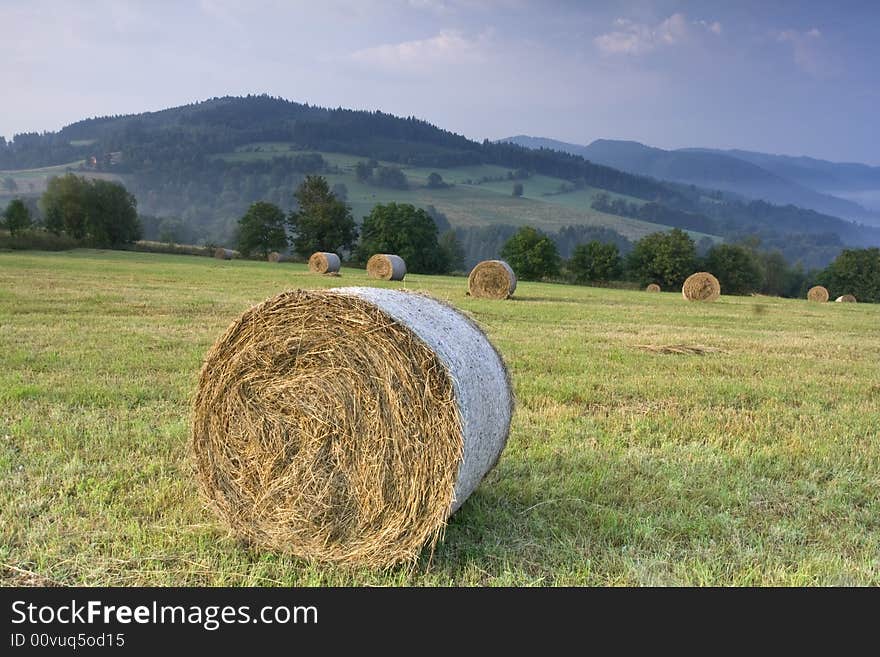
31, 182
472, 204
755, 465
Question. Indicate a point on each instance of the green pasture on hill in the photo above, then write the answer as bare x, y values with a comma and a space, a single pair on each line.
756, 462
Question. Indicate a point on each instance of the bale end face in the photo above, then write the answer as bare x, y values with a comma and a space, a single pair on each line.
492, 279
323, 262
345, 425
653, 287
701, 286
818, 294
386, 267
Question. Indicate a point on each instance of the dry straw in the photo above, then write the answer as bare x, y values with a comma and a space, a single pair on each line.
386, 267
223, 254
652, 287
492, 279
322, 262
846, 298
701, 286
347, 425
817, 293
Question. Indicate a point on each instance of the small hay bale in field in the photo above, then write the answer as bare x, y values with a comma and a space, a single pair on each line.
492, 279
275, 256
817, 293
652, 287
701, 286
322, 262
386, 267
347, 425
846, 298
223, 254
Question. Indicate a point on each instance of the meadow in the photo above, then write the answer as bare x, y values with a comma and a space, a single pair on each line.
754, 460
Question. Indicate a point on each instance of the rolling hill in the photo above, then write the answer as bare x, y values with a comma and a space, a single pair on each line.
194, 170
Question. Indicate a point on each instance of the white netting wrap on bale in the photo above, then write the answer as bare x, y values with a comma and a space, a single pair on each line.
323, 262
386, 267
347, 425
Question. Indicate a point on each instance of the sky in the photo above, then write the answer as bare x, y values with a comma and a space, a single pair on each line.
792, 77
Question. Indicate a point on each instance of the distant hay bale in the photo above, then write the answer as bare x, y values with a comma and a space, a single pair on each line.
386, 267
846, 298
223, 254
701, 286
322, 262
652, 287
347, 425
817, 293
275, 256
492, 279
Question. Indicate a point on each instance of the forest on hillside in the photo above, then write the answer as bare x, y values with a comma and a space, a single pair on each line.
170, 163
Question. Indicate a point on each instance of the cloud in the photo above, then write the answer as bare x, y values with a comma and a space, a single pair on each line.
631, 38
807, 50
446, 49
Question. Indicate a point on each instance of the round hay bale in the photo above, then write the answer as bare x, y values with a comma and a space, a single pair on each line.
701, 286
275, 256
492, 279
347, 425
652, 287
846, 298
386, 267
817, 293
223, 254
322, 262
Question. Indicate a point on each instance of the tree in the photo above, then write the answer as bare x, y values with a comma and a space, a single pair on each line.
663, 258
596, 262
517, 189
391, 177
340, 191
112, 214
261, 230
856, 272
322, 222
735, 267
435, 181
17, 216
409, 232
101, 211
531, 254
452, 250
363, 171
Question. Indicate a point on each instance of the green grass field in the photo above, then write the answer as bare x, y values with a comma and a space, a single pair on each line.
757, 464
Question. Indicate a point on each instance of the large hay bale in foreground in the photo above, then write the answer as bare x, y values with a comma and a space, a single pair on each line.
386, 267
652, 287
846, 298
492, 279
347, 425
701, 286
223, 254
322, 262
817, 293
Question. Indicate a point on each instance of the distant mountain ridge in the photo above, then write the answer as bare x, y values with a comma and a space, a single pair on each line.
801, 181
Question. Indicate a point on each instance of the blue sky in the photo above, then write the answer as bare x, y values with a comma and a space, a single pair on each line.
786, 77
